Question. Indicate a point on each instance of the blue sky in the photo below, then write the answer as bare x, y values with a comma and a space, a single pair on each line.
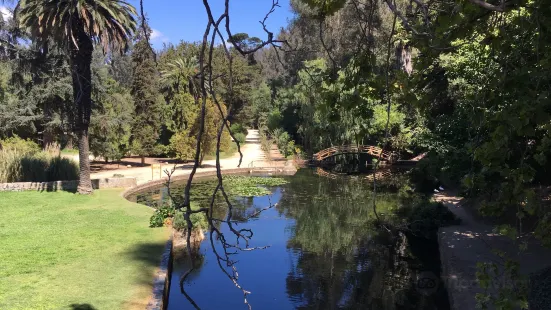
176, 20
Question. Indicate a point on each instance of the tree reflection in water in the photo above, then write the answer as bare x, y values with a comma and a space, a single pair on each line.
345, 260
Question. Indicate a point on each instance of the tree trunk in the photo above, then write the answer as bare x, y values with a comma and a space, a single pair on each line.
84, 183
201, 157
143, 160
80, 60
69, 144
47, 138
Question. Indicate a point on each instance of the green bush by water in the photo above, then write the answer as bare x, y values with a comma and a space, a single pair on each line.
166, 211
162, 212
30, 166
198, 220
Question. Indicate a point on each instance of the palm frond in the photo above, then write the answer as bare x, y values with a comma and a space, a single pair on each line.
109, 23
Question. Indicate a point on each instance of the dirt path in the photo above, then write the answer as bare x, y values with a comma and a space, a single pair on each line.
252, 153
463, 246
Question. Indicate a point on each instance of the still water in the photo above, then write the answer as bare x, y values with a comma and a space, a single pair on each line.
325, 252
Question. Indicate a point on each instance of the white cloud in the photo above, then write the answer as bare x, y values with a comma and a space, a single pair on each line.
158, 37
6, 13
155, 34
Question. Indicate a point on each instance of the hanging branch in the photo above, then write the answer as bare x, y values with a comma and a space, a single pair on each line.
389, 105
206, 79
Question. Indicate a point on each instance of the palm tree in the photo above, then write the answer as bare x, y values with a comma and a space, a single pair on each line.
77, 25
180, 74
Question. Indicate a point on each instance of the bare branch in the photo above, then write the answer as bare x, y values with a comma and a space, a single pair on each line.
270, 41
206, 79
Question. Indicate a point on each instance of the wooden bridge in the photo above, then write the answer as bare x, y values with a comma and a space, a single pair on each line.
354, 149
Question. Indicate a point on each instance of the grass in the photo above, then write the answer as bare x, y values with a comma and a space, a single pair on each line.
61, 251
69, 152
223, 155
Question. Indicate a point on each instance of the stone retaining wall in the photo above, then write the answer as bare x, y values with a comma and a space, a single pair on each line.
66, 185
161, 283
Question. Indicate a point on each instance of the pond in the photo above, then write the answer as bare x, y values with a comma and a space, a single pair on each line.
325, 252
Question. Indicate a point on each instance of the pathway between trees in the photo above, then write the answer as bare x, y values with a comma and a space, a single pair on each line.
251, 153
463, 246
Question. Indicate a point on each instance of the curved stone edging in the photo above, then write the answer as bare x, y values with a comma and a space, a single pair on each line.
161, 283
204, 174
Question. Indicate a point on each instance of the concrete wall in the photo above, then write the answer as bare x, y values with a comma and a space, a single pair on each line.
66, 185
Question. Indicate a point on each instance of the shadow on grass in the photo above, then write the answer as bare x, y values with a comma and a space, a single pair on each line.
82, 307
65, 186
149, 253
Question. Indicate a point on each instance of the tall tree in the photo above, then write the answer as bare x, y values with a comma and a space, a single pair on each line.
147, 100
111, 120
77, 25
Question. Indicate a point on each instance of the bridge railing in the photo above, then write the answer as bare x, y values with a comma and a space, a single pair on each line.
369, 149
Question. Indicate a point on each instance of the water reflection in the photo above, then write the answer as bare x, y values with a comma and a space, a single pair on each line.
325, 253
345, 261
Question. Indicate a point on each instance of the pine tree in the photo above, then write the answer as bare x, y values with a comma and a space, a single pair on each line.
147, 99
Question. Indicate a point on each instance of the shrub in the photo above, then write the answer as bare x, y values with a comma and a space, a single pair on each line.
197, 220
266, 144
239, 128
60, 168
33, 168
20, 145
291, 148
10, 166
16, 166
240, 137
276, 133
283, 142
162, 212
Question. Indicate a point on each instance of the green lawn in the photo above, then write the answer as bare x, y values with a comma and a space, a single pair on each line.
69, 152
223, 155
61, 251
